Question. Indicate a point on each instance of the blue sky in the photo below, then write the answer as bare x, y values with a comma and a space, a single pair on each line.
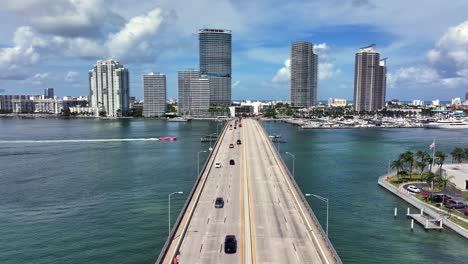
54, 43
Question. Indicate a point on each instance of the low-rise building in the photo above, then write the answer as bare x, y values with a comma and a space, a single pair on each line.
337, 102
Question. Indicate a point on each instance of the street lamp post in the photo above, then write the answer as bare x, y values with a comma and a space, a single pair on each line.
198, 161
323, 199
294, 161
169, 215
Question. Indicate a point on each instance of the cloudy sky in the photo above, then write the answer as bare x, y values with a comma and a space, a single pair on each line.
54, 43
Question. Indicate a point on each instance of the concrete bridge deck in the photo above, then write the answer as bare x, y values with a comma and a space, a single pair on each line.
263, 208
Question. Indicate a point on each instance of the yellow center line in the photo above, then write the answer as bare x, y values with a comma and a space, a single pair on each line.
242, 206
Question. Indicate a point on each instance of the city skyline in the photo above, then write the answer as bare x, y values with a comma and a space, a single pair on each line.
47, 49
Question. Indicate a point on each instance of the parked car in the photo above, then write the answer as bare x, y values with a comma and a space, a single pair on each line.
413, 189
238, 142
439, 197
231, 162
454, 204
230, 244
219, 203
231, 145
218, 164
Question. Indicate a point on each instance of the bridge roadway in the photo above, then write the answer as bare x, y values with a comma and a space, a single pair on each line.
263, 209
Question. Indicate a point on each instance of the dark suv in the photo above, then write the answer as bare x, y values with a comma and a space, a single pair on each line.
231, 162
230, 244
439, 197
219, 203
238, 142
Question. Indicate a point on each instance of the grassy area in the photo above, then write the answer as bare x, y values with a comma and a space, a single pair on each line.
459, 222
415, 177
465, 194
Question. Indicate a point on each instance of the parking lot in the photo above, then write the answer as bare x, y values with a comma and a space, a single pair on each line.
454, 194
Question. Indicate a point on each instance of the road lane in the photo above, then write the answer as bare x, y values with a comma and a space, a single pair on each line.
280, 231
203, 242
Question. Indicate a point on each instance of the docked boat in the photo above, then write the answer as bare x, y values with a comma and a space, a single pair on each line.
447, 124
178, 119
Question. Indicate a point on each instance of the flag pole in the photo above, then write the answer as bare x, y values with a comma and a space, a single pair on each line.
433, 161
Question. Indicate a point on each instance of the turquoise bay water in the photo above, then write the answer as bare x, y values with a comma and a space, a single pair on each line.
106, 202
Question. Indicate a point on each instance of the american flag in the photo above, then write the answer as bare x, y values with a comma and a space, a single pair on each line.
431, 146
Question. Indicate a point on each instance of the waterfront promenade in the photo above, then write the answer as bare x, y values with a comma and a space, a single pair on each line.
263, 208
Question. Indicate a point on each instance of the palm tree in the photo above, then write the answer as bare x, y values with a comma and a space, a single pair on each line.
398, 165
440, 158
458, 154
408, 159
429, 179
423, 159
444, 181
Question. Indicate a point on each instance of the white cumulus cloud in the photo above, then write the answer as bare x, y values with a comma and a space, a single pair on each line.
136, 39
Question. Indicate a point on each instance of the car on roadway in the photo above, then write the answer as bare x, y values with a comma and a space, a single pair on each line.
219, 202
231, 162
238, 142
413, 189
230, 244
218, 164
231, 145
454, 204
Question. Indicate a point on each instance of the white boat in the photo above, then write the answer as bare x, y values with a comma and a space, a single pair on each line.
178, 119
447, 124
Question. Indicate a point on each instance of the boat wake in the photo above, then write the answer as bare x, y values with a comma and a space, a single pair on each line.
76, 140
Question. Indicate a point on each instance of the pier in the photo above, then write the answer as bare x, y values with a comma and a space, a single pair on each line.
426, 221
264, 208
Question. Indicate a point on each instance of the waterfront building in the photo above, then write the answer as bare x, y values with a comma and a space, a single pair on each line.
154, 90
456, 101
216, 63
436, 102
49, 93
370, 80
109, 88
304, 73
194, 93
417, 103
337, 102
466, 96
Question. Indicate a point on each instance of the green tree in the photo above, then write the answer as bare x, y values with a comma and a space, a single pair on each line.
422, 159
398, 165
430, 178
439, 159
458, 154
408, 159
444, 181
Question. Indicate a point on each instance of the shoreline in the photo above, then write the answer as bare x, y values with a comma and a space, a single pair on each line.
327, 123
53, 116
428, 209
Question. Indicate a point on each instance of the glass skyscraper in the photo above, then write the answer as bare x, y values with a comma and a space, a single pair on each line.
370, 80
215, 63
304, 72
